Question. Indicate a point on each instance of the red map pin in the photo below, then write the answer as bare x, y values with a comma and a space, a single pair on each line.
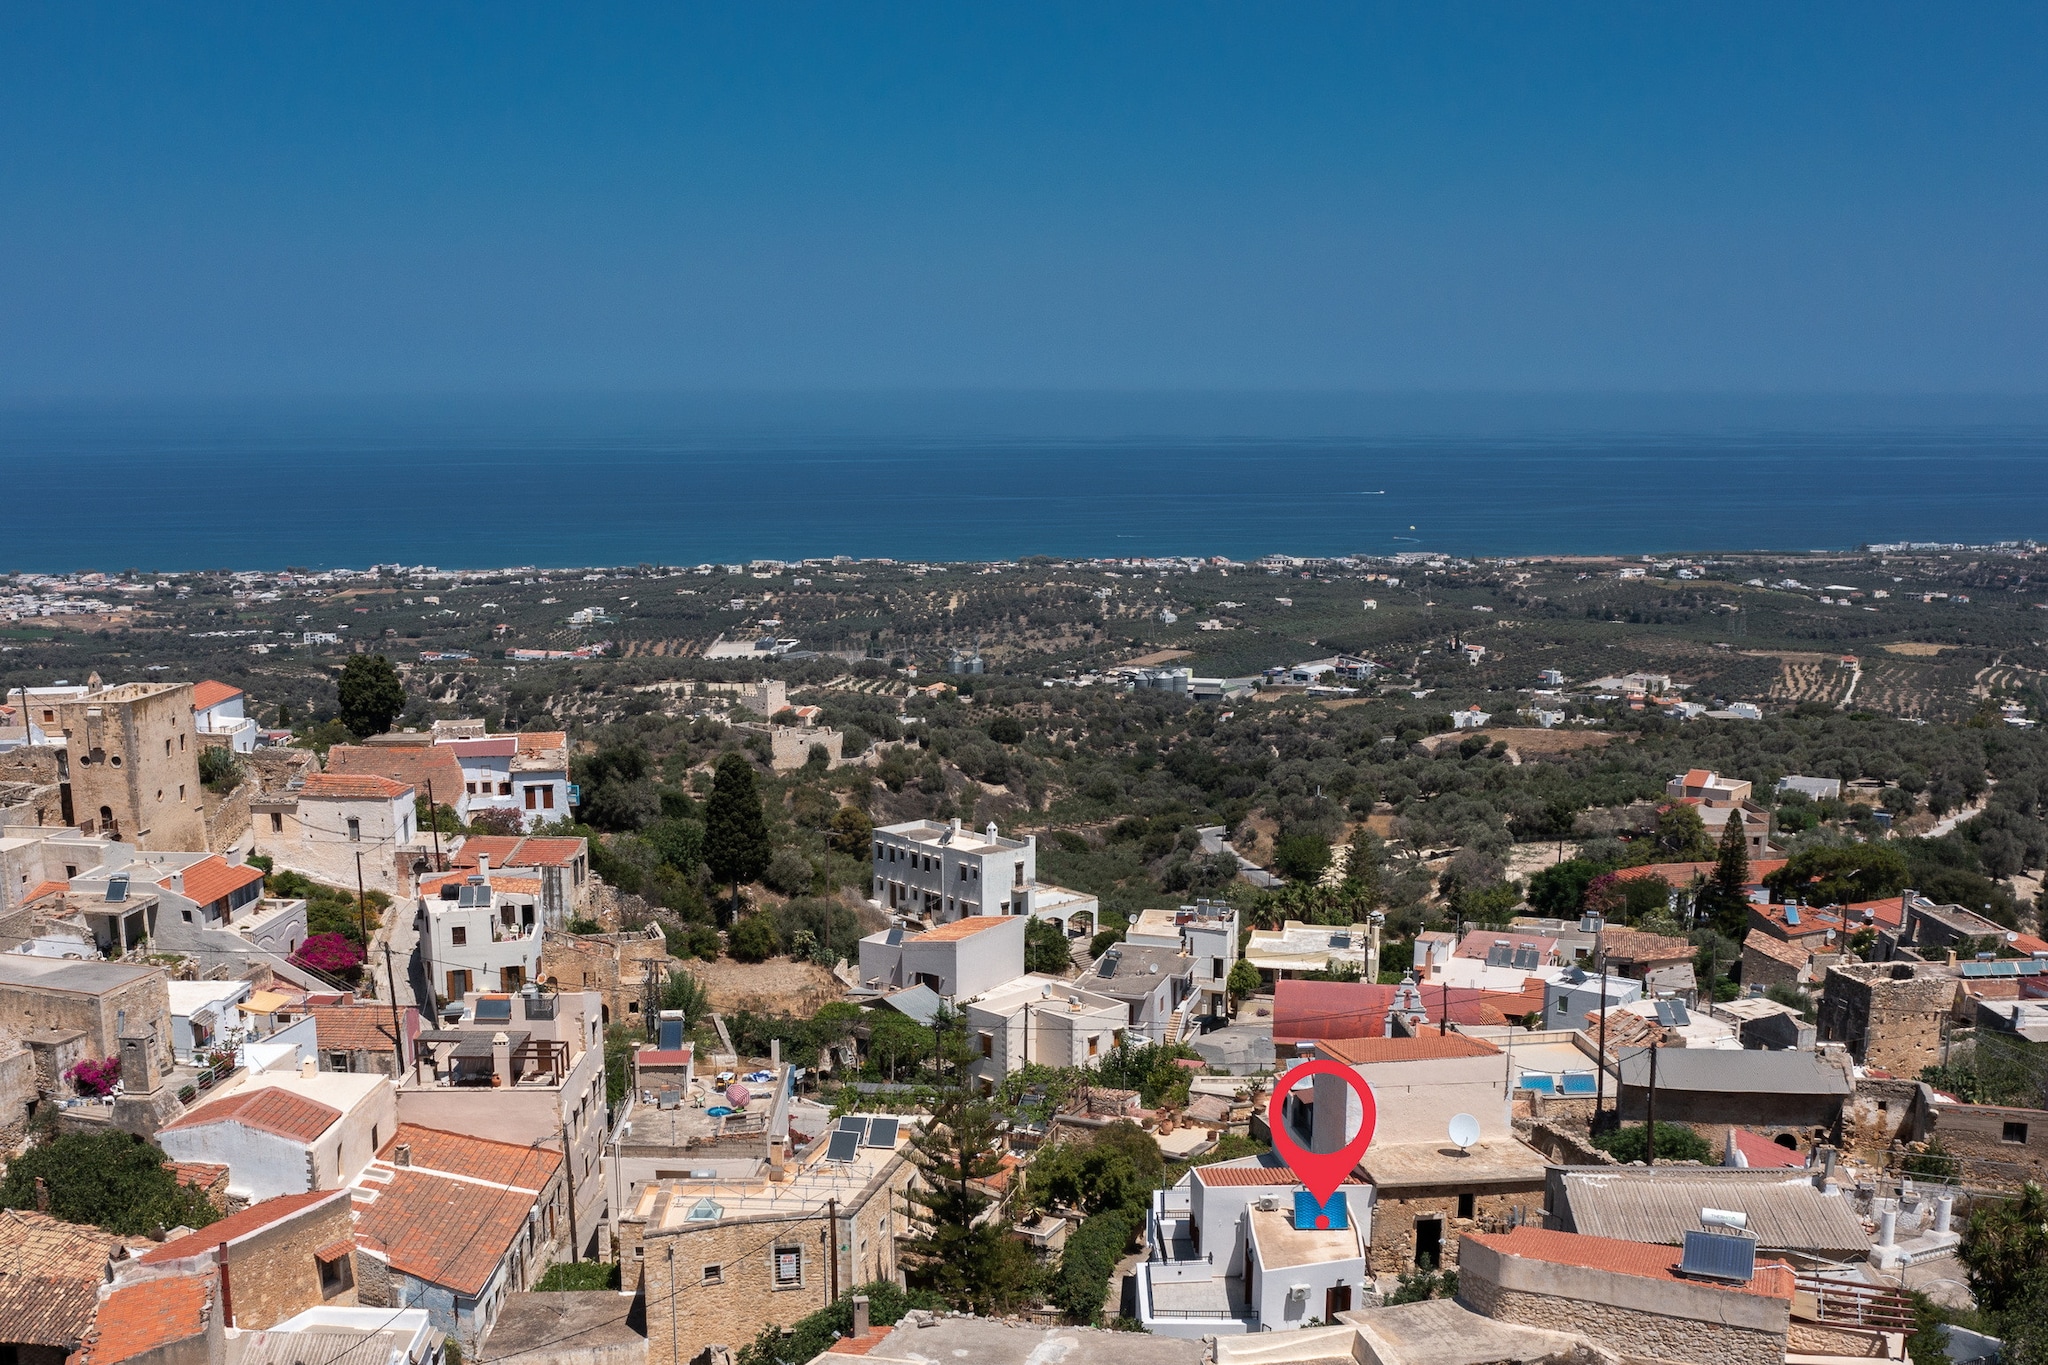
1321, 1172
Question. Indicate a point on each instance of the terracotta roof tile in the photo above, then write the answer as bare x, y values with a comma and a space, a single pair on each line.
42, 889
1254, 1175
210, 693
1357, 1009
268, 1110
50, 1274
509, 851
1431, 1047
860, 1346
1633, 945
213, 879
500, 1163
451, 1232
516, 886
141, 1317
236, 1226
1778, 949
960, 928
415, 765
1764, 1153
1647, 1260
364, 1028
534, 743
201, 1175
353, 787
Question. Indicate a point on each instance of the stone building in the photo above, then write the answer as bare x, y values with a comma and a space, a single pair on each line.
616, 966
1997, 1145
93, 1004
322, 825
283, 1255
133, 764
1626, 1296
719, 1259
1889, 1014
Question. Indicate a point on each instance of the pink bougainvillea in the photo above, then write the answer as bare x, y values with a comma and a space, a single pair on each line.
95, 1078
332, 954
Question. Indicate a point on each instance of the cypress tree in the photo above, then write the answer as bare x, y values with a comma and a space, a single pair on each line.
1731, 874
736, 847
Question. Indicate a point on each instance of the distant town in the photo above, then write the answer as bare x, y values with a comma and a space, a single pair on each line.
766, 963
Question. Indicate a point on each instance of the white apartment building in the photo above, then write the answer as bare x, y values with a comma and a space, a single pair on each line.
1206, 932
943, 872
218, 709
483, 931
527, 773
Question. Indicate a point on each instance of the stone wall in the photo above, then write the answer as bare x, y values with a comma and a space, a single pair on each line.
1890, 1014
227, 824
1813, 1338
1562, 1146
1998, 1147
615, 965
1394, 1216
1881, 1112
730, 1305
275, 1274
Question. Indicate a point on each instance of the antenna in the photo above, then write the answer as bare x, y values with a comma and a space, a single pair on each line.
1464, 1131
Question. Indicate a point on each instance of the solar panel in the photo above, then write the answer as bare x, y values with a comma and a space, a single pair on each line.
1579, 1083
117, 888
1679, 1016
882, 1133
852, 1123
844, 1143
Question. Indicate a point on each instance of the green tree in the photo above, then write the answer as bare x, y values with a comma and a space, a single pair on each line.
1559, 891
1727, 903
219, 769
972, 1267
1045, 948
1675, 1142
112, 1180
371, 694
1006, 730
1117, 1167
1089, 1259
753, 938
887, 1303
2004, 1245
789, 872
1301, 857
852, 832
895, 1041
1680, 836
1243, 981
736, 846
685, 993
1841, 874
1363, 857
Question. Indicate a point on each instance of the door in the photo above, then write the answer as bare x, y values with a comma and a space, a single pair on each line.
1336, 1299
1429, 1240
458, 984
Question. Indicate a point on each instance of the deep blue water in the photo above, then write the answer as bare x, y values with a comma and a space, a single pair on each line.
480, 482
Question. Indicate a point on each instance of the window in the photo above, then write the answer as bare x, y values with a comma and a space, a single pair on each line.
988, 1045
337, 1273
1018, 879
1466, 1203
2014, 1132
458, 984
181, 744
188, 916
504, 789
338, 1061
276, 822
533, 798
355, 830
714, 1274
181, 791
963, 872
167, 748
469, 788
459, 936
789, 1267
1094, 1044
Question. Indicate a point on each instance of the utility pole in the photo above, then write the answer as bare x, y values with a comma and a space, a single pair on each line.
569, 1176
1650, 1136
397, 1030
832, 1243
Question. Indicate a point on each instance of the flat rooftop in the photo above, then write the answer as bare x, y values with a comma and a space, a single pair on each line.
1281, 1244
812, 1179
987, 1341
1440, 1163
71, 977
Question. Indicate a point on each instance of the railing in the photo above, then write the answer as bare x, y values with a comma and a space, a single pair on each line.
1850, 1303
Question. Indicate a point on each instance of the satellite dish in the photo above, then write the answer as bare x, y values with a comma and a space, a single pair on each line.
1464, 1130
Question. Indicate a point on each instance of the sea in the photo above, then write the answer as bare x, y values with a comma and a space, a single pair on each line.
480, 481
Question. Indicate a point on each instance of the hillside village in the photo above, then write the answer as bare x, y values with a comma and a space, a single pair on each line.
598, 994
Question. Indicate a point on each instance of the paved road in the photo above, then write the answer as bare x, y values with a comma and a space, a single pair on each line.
401, 930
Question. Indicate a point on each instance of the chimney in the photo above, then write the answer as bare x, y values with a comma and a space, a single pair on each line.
860, 1316
501, 1060
774, 1053
483, 867
775, 1152
991, 831
956, 826
308, 1068
401, 1155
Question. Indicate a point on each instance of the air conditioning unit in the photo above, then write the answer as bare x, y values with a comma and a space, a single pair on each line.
1297, 1293
1268, 1204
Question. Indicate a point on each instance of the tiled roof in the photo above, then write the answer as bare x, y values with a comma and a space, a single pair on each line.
1763, 1153
210, 693
451, 1216
42, 889
1479, 943
860, 1346
50, 1274
1633, 945
415, 765
354, 1027
201, 1175
1217, 1176
516, 886
1773, 1279
1771, 946
499, 1163
236, 1226
534, 743
141, 1317
1681, 874
353, 787
508, 851
1357, 1009
1887, 912
959, 929
269, 1110
213, 879
1657, 1204
1431, 1047
1698, 777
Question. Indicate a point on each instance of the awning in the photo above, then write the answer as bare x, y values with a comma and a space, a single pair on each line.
265, 1002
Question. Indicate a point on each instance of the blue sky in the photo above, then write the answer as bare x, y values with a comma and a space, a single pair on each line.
289, 199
